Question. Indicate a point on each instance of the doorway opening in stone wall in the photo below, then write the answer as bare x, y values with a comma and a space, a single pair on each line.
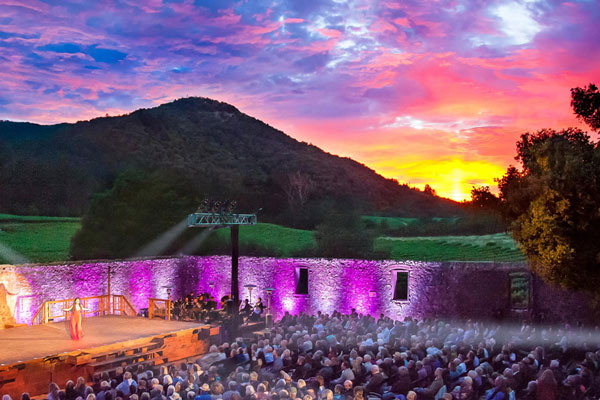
400, 287
302, 281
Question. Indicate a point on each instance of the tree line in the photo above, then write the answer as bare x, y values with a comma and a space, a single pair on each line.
551, 198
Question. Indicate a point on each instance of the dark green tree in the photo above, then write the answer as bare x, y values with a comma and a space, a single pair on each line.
554, 203
138, 208
586, 104
344, 235
483, 199
429, 190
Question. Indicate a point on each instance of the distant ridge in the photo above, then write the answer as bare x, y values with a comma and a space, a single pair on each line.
54, 169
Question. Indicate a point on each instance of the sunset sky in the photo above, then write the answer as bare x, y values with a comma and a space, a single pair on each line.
422, 91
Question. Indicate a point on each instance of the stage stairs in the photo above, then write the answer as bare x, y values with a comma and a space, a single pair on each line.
160, 350
150, 355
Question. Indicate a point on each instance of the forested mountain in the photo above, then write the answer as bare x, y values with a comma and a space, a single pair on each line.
54, 170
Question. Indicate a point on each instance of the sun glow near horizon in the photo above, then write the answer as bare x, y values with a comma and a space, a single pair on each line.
451, 178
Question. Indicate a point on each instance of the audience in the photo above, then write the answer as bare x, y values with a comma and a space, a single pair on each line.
357, 357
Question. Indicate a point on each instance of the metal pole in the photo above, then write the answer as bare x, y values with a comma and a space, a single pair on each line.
235, 294
108, 289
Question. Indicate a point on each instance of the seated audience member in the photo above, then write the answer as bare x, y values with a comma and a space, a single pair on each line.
433, 389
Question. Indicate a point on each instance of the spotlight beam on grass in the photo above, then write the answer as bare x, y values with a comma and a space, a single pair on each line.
12, 256
196, 242
157, 246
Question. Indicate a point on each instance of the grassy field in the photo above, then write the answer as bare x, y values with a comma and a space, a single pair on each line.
286, 242
36, 239
34, 218
496, 247
398, 222
47, 239
392, 222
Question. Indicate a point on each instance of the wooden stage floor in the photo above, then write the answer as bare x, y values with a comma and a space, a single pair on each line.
30, 342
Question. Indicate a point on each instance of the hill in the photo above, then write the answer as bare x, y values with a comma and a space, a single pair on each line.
53, 170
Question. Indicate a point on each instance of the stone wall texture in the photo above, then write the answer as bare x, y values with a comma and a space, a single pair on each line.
448, 289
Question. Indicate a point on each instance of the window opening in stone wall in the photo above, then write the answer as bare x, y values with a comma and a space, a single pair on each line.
519, 291
301, 280
401, 285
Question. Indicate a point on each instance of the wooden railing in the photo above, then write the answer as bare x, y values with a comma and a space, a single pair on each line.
122, 306
115, 304
159, 308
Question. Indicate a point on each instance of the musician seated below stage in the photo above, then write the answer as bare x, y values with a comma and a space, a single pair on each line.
193, 307
252, 313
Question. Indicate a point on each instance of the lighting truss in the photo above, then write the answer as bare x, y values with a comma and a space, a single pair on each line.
206, 219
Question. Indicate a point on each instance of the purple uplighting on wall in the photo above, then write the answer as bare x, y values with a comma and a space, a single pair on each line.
435, 289
140, 285
334, 285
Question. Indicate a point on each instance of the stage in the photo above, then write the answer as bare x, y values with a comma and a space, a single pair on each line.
30, 342
33, 356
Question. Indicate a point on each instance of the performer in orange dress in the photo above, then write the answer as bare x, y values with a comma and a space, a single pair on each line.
76, 309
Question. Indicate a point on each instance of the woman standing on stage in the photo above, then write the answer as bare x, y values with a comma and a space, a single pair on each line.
76, 309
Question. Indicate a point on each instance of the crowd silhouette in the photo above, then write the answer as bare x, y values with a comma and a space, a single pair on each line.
358, 357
